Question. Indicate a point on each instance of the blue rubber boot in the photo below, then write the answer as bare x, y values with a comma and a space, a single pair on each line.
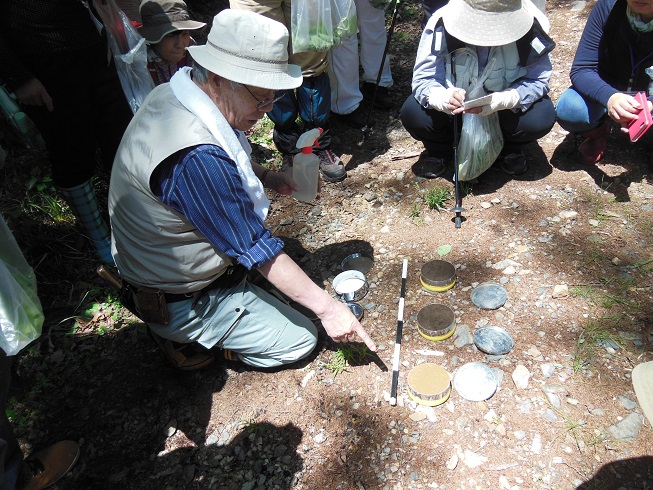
83, 203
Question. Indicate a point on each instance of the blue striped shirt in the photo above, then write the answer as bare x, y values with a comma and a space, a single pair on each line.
203, 184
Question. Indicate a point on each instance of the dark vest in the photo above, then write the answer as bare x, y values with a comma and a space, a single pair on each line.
624, 53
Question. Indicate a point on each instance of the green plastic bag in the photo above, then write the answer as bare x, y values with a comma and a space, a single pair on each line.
321, 25
21, 315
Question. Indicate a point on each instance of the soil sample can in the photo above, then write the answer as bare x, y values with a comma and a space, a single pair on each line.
438, 276
429, 384
436, 322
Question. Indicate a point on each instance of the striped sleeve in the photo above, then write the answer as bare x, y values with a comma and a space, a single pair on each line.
203, 184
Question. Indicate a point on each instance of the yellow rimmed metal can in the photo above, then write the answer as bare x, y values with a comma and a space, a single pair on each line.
429, 384
436, 322
438, 276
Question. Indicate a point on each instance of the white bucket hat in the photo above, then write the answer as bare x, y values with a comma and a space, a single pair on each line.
643, 383
248, 48
487, 22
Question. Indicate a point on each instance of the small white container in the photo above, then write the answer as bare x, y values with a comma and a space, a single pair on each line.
350, 285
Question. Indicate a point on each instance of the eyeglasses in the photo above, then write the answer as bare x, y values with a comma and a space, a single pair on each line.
262, 103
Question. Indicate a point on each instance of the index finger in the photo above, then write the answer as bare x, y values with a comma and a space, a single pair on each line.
366, 338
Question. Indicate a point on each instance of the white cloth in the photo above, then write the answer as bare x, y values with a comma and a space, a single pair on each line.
343, 60
196, 101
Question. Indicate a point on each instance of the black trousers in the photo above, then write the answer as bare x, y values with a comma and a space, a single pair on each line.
435, 128
90, 111
11, 456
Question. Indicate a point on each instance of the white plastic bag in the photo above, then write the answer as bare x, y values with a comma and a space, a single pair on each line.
481, 139
320, 25
129, 52
21, 315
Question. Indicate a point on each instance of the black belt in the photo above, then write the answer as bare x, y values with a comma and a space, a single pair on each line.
231, 276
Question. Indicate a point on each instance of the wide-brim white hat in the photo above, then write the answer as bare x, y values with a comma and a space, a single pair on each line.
487, 22
642, 377
248, 48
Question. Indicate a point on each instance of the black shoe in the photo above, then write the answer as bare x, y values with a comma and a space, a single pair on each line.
513, 163
433, 167
356, 119
382, 101
331, 166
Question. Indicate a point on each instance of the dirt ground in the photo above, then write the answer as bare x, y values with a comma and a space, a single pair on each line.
142, 425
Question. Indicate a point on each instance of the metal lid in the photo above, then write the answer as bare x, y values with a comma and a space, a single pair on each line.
489, 295
438, 274
357, 262
475, 381
493, 340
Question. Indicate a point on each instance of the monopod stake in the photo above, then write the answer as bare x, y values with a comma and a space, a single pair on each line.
458, 208
400, 328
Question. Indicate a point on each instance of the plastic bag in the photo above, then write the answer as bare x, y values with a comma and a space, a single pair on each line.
481, 139
481, 142
320, 25
21, 315
20, 123
129, 52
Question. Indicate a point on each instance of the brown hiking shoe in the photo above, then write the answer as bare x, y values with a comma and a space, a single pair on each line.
186, 357
47, 466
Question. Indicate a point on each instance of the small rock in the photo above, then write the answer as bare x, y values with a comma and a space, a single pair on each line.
486, 205
627, 403
369, 196
549, 415
578, 6
504, 483
520, 376
547, 369
473, 460
567, 214
320, 437
616, 261
628, 429
594, 222
519, 434
307, 378
171, 429
452, 462
536, 445
560, 291
417, 416
463, 337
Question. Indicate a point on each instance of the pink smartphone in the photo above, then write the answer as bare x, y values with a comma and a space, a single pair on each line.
637, 127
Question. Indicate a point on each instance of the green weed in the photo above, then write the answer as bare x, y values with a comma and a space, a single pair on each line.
261, 133
41, 196
252, 427
338, 363
466, 188
437, 197
415, 210
402, 37
585, 292
587, 343
347, 355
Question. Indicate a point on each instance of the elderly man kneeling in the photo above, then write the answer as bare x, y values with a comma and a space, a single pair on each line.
188, 208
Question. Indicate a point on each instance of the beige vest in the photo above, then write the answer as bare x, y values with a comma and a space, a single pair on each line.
152, 244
